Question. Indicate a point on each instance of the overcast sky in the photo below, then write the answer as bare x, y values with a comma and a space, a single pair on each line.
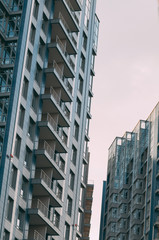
126, 85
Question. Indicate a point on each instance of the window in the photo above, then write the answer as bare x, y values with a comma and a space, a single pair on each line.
82, 62
41, 48
21, 116
17, 146
25, 88
89, 103
74, 155
20, 219
38, 74
59, 191
32, 34
56, 219
71, 180
34, 101
87, 13
84, 172
87, 126
13, 177
28, 61
69, 206
81, 200
24, 188
44, 23
76, 131
84, 41
28, 157
96, 30
31, 129
66, 231
80, 85
79, 221
78, 107
36, 9
9, 209
6, 235
91, 82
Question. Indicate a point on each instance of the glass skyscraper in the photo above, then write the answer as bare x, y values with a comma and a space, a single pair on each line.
130, 206
47, 53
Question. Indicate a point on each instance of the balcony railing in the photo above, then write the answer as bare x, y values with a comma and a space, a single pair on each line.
68, 85
59, 72
42, 175
58, 101
12, 7
72, 11
63, 49
7, 61
43, 145
53, 93
58, 69
38, 236
67, 29
61, 45
36, 203
9, 34
3, 118
5, 89
48, 118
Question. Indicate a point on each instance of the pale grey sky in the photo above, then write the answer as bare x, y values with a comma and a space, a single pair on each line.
126, 85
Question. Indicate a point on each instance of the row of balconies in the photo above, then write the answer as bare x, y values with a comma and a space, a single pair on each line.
53, 121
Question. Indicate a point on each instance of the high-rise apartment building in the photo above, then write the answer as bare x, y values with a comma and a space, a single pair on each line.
130, 209
47, 52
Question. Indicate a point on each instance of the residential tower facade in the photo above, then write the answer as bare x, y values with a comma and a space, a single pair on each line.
47, 52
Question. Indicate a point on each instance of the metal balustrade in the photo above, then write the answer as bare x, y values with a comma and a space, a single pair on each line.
60, 74
43, 145
12, 7
58, 101
67, 28
36, 203
48, 118
42, 175
58, 69
5, 89
3, 118
61, 45
72, 11
38, 236
53, 93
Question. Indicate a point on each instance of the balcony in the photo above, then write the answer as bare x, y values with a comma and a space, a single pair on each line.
42, 186
49, 130
7, 62
69, 14
76, 4
12, 9
41, 216
45, 158
3, 119
52, 104
35, 236
10, 36
60, 28
57, 52
54, 76
5, 91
